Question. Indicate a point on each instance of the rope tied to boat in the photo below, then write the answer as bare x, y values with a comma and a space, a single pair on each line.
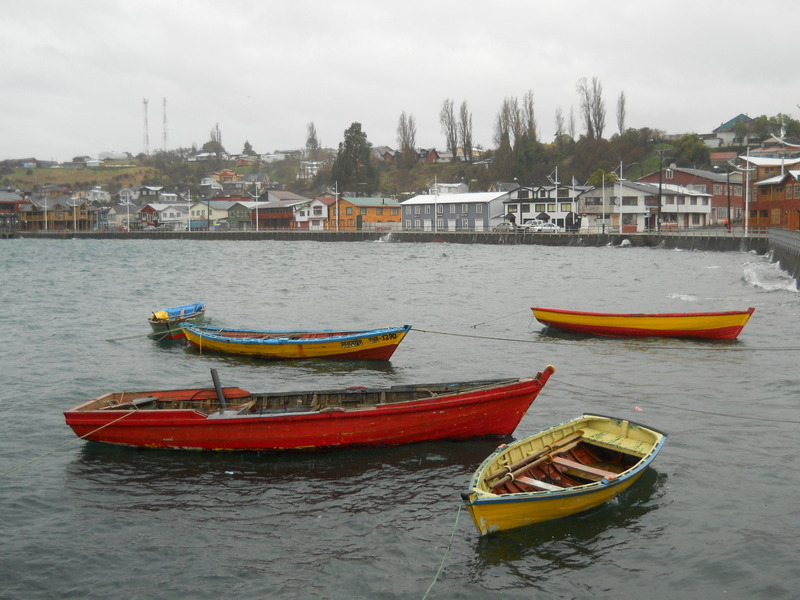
446, 552
56, 449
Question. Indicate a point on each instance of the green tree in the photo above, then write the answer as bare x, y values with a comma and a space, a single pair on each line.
353, 167
248, 149
691, 151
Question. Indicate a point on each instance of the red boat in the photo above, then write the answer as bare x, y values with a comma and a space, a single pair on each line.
234, 419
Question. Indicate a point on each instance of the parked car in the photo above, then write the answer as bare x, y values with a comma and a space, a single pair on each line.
547, 228
529, 224
506, 227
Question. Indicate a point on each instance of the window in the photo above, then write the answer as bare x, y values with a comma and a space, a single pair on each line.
348, 210
717, 189
394, 211
379, 211
465, 208
464, 224
551, 207
317, 211
566, 206
538, 207
525, 208
479, 208
630, 201
362, 211
523, 194
452, 209
427, 209
511, 208
668, 173
439, 209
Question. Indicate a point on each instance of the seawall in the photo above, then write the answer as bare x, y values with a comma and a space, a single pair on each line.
785, 247
713, 240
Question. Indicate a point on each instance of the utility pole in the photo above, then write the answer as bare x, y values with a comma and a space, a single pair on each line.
661, 152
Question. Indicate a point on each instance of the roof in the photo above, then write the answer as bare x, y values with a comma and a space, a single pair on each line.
372, 202
652, 188
767, 161
727, 125
284, 195
469, 198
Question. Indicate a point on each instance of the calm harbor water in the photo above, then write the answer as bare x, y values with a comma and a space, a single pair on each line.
716, 516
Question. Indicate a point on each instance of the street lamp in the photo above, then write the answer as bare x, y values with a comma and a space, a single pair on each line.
74, 205
255, 199
747, 171
660, 184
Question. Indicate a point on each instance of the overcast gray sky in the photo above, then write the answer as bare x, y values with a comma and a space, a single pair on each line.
74, 74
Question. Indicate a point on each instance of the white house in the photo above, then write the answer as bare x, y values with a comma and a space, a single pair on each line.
313, 216
632, 206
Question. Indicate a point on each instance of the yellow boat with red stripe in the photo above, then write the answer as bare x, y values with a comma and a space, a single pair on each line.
707, 325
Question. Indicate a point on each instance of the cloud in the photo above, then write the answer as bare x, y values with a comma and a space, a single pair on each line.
74, 79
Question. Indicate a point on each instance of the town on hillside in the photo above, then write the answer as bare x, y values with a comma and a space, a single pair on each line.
749, 191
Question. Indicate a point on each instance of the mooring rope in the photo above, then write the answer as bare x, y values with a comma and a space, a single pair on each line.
672, 406
157, 337
645, 346
503, 317
77, 439
446, 552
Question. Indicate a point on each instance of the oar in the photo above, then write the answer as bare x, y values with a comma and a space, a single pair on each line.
531, 457
514, 474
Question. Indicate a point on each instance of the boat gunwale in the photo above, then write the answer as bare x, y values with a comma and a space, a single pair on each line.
282, 337
482, 388
483, 496
565, 311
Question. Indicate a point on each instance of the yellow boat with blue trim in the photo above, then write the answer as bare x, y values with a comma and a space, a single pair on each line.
561, 471
368, 344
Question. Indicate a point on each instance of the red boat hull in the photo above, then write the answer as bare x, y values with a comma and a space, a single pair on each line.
493, 412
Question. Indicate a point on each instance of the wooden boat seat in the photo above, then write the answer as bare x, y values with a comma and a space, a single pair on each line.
571, 464
539, 485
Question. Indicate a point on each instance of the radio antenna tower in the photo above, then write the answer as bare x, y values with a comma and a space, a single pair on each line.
165, 124
146, 135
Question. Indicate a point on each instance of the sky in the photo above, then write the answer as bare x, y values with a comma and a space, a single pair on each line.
74, 75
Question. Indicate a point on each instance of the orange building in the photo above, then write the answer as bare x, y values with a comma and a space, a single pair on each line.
364, 214
775, 193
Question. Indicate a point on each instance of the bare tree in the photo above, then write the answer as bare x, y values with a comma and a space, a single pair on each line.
312, 142
509, 122
571, 126
559, 125
465, 131
593, 108
216, 134
621, 113
407, 139
585, 102
447, 118
529, 116
598, 108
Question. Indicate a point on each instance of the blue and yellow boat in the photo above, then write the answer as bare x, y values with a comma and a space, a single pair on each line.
366, 344
567, 469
